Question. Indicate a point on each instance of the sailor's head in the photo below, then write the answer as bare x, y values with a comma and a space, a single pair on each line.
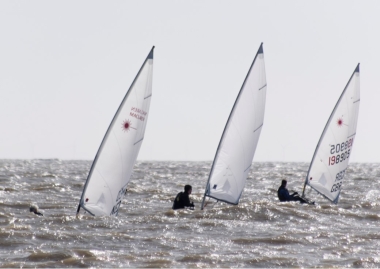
33, 208
188, 189
283, 182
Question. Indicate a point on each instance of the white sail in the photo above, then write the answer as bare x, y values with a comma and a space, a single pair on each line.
112, 168
332, 154
237, 146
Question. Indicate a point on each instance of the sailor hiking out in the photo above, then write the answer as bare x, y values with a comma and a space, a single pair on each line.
182, 199
284, 196
34, 209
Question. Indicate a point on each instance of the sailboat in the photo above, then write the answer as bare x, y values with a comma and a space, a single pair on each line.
112, 167
234, 155
330, 160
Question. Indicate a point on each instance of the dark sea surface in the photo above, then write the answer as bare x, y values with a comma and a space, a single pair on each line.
259, 232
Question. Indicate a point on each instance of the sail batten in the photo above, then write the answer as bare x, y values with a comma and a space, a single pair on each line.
113, 164
334, 147
263, 87
247, 168
139, 141
238, 143
258, 127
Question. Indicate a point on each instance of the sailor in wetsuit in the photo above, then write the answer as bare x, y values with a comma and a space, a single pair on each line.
182, 199
34, 209
284, 196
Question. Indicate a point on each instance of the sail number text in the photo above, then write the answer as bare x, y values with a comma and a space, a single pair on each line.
120, 195
341, 152
338, 181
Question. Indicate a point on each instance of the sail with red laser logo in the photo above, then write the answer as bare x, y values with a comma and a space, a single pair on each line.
113, 165
330, 160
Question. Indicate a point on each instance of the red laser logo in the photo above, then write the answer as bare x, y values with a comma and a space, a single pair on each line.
126, 125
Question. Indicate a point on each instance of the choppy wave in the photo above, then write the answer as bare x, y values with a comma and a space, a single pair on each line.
259, 232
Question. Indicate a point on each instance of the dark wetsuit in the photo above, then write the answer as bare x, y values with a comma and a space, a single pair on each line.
284, 196
182, 200
38, 213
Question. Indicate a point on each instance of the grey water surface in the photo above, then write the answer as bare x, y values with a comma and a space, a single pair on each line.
259, 232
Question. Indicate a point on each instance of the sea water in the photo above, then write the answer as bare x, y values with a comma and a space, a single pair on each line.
259, 232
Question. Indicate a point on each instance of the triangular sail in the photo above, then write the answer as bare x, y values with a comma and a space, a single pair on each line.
332, 154
112, 168
233, 158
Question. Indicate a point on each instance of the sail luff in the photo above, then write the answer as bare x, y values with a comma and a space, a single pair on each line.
150, 56
207, 190
357, 70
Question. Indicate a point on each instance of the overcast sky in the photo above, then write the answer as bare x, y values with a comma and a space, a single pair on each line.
66, 65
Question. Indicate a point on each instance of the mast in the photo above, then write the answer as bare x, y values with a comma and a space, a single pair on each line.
357, 70
150, 56
207, 190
